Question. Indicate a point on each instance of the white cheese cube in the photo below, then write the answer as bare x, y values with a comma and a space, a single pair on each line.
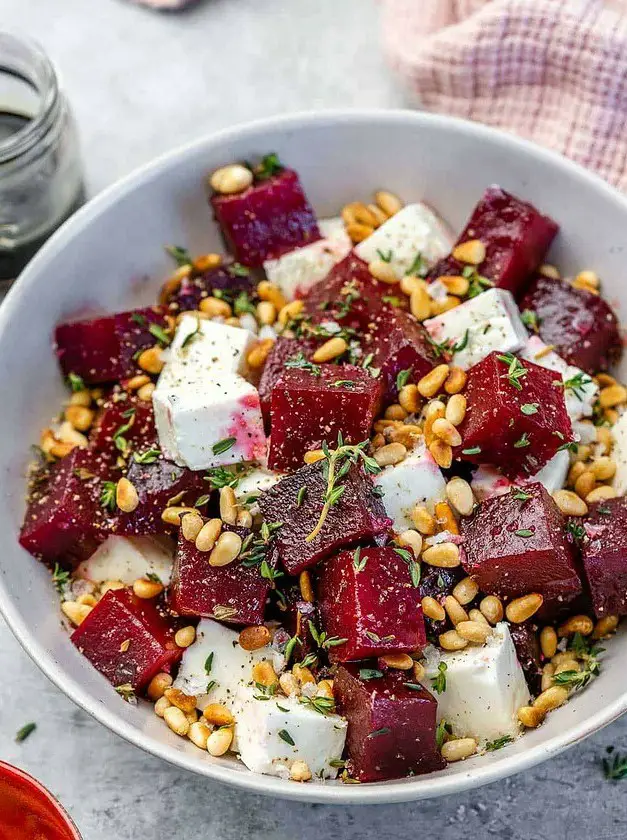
619, 454
298, 271
129, 558
490, 321
487, 481
416, 480
485, 687
266, 728
553, 474
413, 231
254, 483
202, 347
580, 390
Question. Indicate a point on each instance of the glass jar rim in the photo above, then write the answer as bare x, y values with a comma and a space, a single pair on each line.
43, 79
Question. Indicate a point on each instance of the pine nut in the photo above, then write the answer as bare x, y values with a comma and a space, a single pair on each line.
492, 608
564, 657
454, 610
446, 431
455, 284
576, 624
77, 613
176, 720
550, 271
410, 282
604, 437
456, 409
87, 599
207, 262
357, 233
303, 674
455, 381
425, 523
186, 636
158, 685
612, 396
409, 398
151, 360
185, 702
433, 609
383, 272
299, 771
605, 627
136, 382
173, 283
548, 672
466, 590
244, 519
289, 684
471, 252
264, 673
569, 503
411, 539
172, 515
226, 549
290, 311
583, 452
388, 202
530, 717
231, 179
478, 616
325, 687
110, 584
520, 609
268, 291
146, 391
313, 456
566, 665
574, 472
331, 349
603, 468
82, 398
419, 671
441, 453
601, 494
266, 312
378, 215
430, 384
218, 715
220, 741
191, 526
357, 213
400, 661
392, 453
442, 555
460, 495
585, 484
161, 705
126, 497
208, 534
473, 631
548, 642
215, 307
228, 505
451, 640
80, 417
147, 589
198, 734
395, 412
261, 350
254, 637
439, 307
445, 518
611, 415
306, 589
420, 303
458, 749
551, 699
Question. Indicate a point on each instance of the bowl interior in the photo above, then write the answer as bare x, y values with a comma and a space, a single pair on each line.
110, 256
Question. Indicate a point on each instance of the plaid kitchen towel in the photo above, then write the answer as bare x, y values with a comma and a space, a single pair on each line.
553, 71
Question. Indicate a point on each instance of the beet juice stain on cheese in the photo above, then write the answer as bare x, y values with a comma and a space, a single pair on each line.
336, 504
28, 811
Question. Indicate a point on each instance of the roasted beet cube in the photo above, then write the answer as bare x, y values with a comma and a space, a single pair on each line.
104, 349
604, 554
516, 417
187, 296
358, 515
516, 237
367, 597
516, 544
122, 428
234, 594
581, 326
266, 220
525, 639
391, 727
64, 518
284, 350
117, 619
312, 405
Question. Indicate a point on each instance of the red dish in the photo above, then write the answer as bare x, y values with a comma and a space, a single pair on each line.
29, 811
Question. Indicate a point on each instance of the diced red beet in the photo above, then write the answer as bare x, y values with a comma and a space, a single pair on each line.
391, 728
120, 617
266, 220
515, 420
525, 639
234, 594
604, 554
514, 546
121, 428
358, 515
284, 349
367, 597
64, 519
309, 406
581, 326
103, 349
516, 237
198, 286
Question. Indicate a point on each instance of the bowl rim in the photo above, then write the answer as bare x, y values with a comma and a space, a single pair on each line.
400, 790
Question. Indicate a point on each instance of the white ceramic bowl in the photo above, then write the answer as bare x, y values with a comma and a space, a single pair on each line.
110, 256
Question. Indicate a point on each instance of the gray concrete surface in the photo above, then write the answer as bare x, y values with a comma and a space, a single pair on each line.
141, 83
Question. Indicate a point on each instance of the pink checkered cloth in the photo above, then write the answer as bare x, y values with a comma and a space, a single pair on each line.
553, 71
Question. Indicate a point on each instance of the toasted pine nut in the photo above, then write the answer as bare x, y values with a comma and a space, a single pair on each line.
411, 539
583, 452
430, 384
492, 608
601, 494
306, 589
478, 616
550, 271
289, 684
419, 671
451, 640
445, 518
441, 452
388, 202
611, 415
383, 272
299, 771
218, 715
548, 672
392, 453
259, 353
80, 417
378, 215
158, 684
208, 534
220, 741
473, 631
466, 590
126, 497
173, 283
548, 641
146, 391
207, 262
264, 673
151, 360
520, 609
161, 705
455, 284
472, 252
82, 398
268, 291
410, 282
185, 702
331, 349
420, 303
530, 716
564, 657
357, 213
176, 720
425, 523
446, 431
612, 396
313, 456
433, 609
456, 409
576, 624
191, 526
443, 555
458, 749
254, 637
395, 412
605, 627
604, 436
147, 589
566, 665
357, 232
455, 381
228, 505
585, 484
569, 503
198, 734
575, 471
266, 312
460, 495
290, 311
136, 382
303, 674
325, 687
603, 468
226, 549
439, 307
400, 661
172, 515
550, 699
454, 610
77, 613
87, 599
186, 636
409, 398
231, 179
215, 307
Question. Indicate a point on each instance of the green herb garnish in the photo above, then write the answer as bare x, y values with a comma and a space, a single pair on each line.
160, 334
107, 495
23, 733
270, 165
530, 408
147, 457
181, 256
402, 378
439, 682
615, 768
359, 562
299, 361
223, 446
301, 496
75, 382
522, 441
519, 495
60, 578
369, 674
284, 735
322, 640
516, 370
524, 532
499, 743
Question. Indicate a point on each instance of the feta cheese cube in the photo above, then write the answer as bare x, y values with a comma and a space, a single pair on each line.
490, 321
414, 230
580, 390
296, 272
202, 347
129, 558
619, 454
265, 730
485, 687
416, 480
487, 481
255, 482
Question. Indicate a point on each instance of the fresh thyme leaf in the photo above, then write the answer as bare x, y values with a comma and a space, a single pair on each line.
385, 730
284, 735
201, 501
393, 300
441, 733
220, 477
419, 266
160, 334
299, 361
210, 685
413, 686
289, 647
301, 496
578, 532
147, 457
75, 382
359, 562
499, 743
138, 318
243, 304
386, 256
127, 693
530, 408
588, 653
322, 705
439, 682
524, 532
576, 384
192, 336
404, 554
270, 165
344, 383
516, 370
60, 578
107, 495
402, 378
337, 762
522, 441
369, 674
23, 733
181, 256
571, 447
223, 446
473, 450
520, 495
238, 270
321, 639
268, 573
530, 320
209, 663
478, 283
605, 511
615, 769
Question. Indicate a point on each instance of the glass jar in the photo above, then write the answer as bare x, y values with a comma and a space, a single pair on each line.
41, 179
